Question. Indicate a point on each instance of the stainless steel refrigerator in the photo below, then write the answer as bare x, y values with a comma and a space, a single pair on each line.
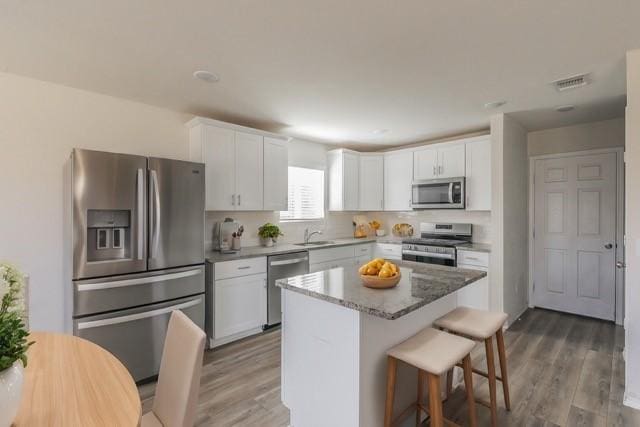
138, 252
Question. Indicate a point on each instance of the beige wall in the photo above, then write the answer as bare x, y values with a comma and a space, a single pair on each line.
587, 136
39, 125
509, 217
632, 230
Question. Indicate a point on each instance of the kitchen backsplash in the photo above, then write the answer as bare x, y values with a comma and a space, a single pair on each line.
339, 224
334, 225
481, 220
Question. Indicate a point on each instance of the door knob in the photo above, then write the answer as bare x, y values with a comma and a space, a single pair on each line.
608, 246
620, 264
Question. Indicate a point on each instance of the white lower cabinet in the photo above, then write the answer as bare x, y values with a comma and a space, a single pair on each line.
475, 295
342, 256
327, 265
391, 251
240, 303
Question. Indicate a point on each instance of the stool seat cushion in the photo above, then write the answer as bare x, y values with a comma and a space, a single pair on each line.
432, 350
478, 324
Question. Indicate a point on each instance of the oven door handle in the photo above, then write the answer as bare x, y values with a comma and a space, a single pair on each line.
429, 254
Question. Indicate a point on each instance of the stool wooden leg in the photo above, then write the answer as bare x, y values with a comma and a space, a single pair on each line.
491, 368
468, 385
503, 369
435, 403
421, 375
449, 382
391, 385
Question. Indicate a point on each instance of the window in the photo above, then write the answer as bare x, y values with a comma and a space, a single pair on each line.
306, 195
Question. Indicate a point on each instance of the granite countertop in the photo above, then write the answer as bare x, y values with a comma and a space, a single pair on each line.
420, 285
281, 248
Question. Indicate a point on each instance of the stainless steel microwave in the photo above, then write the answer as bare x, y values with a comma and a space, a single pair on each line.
445, 193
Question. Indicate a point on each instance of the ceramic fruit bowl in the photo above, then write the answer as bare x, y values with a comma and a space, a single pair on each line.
377, 282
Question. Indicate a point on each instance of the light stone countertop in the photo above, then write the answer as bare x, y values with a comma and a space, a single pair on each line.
420, 285
281, 248
475, 247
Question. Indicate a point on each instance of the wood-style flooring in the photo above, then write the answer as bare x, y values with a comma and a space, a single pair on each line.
564, 370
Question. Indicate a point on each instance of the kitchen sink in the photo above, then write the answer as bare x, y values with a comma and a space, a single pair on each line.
316, 243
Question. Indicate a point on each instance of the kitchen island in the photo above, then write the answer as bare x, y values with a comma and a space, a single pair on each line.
335, 334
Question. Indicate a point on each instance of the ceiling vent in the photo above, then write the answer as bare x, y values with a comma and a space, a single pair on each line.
572, 82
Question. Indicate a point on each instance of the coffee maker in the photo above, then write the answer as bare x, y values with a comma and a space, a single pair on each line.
223, 235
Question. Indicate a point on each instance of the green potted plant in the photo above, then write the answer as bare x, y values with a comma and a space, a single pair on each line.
269, 234
13, 342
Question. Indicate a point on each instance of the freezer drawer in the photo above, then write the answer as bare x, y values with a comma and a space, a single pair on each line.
136, 336
120, 292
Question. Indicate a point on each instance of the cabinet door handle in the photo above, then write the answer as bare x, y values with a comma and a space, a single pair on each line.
440, 170
434, 170
246, 267
233, 199
238, 200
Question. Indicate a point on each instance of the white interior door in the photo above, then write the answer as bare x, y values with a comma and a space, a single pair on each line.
575, 234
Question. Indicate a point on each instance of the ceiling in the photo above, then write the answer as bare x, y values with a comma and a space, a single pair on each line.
334, 71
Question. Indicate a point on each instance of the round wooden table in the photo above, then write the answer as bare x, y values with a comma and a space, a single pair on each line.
70, 381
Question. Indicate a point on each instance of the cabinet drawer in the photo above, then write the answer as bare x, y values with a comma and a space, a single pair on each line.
389, 251
480, 259
363, 250
241, 267
330, 254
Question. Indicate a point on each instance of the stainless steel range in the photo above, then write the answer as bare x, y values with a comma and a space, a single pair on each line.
437, 243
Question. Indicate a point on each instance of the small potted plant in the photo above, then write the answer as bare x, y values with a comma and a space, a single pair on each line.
13, 342
269, 234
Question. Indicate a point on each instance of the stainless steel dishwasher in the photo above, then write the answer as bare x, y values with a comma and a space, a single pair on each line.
281, 267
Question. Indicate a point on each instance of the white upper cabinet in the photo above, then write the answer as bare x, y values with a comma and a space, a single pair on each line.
439, 161
218, 153
398, 175
371, 181
451, 162
276, 174
343, 166
234, 158
478, 174
249, 171
425, 164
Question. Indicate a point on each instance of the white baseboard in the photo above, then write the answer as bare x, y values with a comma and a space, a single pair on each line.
510, 320
632, 402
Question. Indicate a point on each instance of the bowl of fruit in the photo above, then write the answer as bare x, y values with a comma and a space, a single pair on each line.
379, 274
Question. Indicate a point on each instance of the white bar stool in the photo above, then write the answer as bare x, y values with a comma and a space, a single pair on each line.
481, 325
433, 352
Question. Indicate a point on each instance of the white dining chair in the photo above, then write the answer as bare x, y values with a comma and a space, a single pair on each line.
176, 398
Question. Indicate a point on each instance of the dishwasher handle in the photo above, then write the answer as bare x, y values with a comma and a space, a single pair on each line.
288, 261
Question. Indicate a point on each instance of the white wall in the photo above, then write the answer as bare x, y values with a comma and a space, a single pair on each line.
586, 136
632, 230
509, 225
39, 125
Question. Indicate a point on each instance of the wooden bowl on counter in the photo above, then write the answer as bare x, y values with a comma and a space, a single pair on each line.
376, 282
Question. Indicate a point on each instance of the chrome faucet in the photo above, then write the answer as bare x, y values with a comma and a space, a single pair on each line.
308, 235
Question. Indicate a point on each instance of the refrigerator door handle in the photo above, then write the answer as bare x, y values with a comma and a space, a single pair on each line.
138, 281
138, 316
155, 214
140, 213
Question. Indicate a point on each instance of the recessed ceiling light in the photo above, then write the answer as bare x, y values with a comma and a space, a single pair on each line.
494, 104
565, 108
380, 131
206, 76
